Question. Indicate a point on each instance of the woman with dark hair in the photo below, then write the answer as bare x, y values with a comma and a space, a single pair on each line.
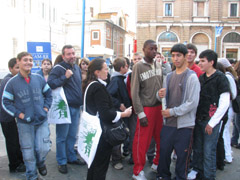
45, 68
98, 100
84, 67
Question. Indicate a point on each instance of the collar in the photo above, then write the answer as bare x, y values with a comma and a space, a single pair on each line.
29, 75
145, 62
102, 82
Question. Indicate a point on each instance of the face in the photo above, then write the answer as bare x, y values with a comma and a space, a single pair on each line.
26, 63
136, 58
102, 74
14, 70
158, 58
150, 50
204, 64
69, 56
191, 55
124, 69
84, 66
46, 66
178, 59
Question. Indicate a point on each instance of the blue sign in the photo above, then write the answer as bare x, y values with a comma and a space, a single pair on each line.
39, 51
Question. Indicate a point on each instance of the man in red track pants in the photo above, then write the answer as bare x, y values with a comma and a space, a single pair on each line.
146, 80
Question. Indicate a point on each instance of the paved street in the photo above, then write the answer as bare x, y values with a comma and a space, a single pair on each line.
231, 171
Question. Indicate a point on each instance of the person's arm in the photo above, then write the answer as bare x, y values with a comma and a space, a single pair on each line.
223, 105
106, 112
233, 87
166, 67
57, 77
47, 94
8, 101
135, 91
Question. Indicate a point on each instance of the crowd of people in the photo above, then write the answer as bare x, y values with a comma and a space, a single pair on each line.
179, 109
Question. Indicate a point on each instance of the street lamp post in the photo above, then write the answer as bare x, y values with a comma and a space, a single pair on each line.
83, 29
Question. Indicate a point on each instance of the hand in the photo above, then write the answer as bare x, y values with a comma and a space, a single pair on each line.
46, 109
162, 93
21, 116
127, 112
143, 122
166, 113
208, 129
68, 73
122, 107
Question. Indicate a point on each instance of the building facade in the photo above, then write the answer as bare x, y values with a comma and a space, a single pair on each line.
190, 21
60, 22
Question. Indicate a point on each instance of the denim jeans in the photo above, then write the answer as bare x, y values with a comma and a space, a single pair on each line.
204, 150
66, 135
35, 145
236, 129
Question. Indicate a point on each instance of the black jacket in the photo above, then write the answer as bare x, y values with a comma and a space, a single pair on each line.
211, 89
118, 90
4, 116
99, 100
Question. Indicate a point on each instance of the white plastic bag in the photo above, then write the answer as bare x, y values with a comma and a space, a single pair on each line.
59, 112
89, 134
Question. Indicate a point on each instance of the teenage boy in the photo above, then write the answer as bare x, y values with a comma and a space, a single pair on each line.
9, 126
118, 90
213, 104
27, 97
145, 83
191, 56
180, 113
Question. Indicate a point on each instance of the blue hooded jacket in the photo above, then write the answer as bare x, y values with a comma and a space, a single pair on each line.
28, 98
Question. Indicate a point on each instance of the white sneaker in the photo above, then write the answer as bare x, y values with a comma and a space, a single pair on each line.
192, 175
154, 167
140, 176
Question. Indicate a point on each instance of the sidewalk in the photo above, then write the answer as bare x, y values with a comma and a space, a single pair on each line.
231, 171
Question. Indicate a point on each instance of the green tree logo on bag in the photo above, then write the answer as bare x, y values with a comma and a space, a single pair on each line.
89, 140
61, 107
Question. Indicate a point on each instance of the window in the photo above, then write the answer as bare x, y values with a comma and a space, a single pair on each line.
233, 10
167, 37
200, 8
95, 35
168, 9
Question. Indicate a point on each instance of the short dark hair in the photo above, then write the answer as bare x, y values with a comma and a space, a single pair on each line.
66, 47
147, 42
210, 55
118, 63
158, 53
22, 54
127, 60
181, 48
12, 62
193, 47
48, 60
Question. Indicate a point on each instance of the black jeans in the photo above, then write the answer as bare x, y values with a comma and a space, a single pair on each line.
14, 153
99, 166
